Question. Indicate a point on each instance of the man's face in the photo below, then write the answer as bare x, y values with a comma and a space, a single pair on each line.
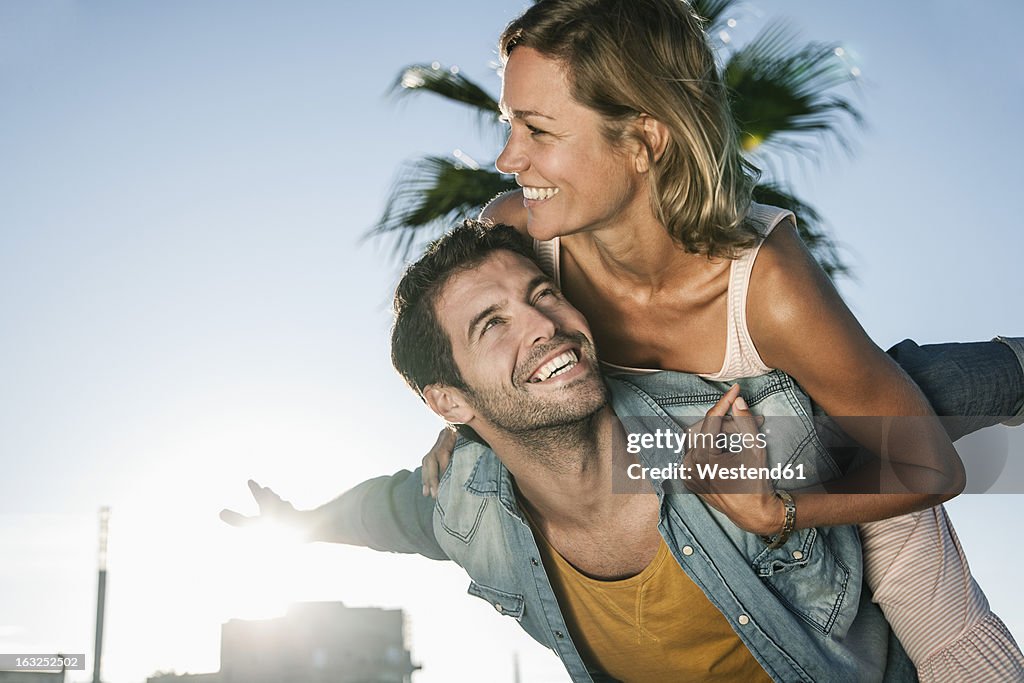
524, 352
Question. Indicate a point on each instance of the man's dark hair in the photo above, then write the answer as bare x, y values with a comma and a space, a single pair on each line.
420, 348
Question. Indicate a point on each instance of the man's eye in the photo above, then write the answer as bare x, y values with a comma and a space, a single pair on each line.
493, 322
546, 292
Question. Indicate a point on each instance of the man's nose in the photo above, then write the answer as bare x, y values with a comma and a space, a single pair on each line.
540, 327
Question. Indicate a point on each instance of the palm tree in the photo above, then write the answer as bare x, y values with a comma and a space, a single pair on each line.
784, 102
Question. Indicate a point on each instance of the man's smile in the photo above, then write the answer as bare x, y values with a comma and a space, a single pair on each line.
560, 364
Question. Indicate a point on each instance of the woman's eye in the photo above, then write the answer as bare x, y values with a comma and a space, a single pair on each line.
534, 130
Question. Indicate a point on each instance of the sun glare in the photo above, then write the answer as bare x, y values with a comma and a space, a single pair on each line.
259, 580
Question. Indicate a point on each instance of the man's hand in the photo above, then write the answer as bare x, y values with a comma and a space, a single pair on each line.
272, 509
750, 504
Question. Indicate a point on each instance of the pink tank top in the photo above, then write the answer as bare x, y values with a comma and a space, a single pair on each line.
741, 357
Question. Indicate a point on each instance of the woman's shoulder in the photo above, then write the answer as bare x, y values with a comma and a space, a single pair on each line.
789, 292
783, 257
507, 209
764, 218
778, 250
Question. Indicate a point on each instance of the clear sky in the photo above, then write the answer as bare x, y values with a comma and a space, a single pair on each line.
185, 303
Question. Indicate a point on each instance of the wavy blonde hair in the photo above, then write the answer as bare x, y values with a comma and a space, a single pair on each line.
624, 58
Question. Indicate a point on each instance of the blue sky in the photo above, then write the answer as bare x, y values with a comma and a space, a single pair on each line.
186, 302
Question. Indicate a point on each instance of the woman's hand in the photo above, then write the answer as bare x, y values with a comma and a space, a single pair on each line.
751, 504
436, 461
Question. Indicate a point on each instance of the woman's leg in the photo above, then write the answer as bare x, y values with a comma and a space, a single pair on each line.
914, 564
976, 385
920, 578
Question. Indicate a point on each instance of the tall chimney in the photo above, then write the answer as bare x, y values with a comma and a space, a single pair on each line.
101, 591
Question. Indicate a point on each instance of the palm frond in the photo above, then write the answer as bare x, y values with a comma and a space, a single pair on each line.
449, 84
783, 93
810, 226
711, 11
433, 194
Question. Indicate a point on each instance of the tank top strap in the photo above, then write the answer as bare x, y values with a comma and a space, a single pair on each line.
547, 252
741, 356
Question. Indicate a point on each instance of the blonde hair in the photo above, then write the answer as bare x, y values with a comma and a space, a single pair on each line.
624, 58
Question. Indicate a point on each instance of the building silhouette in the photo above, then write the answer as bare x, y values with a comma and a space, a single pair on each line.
315, 642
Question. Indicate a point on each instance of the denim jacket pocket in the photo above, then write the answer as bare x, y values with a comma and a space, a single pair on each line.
509, 604
461, 517
810, 578
794, 554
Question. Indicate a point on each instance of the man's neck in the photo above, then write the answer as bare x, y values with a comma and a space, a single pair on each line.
565, 473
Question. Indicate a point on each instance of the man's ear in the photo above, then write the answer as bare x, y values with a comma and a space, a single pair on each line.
449, 403
656, 135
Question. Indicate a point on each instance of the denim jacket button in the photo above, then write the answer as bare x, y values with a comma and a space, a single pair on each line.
687, 550
498, 607
559, 635
744, 620
797, 555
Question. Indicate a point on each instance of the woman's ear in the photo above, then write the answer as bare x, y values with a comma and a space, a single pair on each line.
448, 403
655, 135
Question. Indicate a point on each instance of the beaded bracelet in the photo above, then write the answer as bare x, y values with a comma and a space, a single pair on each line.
788, 523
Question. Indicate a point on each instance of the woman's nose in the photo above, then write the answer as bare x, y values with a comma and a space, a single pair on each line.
512, 159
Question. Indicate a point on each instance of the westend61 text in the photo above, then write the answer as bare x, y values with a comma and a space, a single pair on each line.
707, 472
668, 439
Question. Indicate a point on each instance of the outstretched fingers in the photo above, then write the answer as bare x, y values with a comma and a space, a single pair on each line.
270, 504
236, 519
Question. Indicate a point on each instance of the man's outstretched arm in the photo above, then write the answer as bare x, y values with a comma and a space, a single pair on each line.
386, 513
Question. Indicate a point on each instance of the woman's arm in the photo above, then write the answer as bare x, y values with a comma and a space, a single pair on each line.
800, 325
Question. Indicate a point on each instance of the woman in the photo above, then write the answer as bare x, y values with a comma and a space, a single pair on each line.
636, 191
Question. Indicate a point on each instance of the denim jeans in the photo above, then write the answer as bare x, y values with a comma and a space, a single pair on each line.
971, 385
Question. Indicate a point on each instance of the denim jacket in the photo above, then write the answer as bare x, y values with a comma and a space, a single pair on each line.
801, 609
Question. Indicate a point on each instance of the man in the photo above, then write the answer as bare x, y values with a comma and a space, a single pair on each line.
642, 587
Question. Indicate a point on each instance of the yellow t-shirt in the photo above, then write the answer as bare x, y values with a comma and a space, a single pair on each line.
656, 626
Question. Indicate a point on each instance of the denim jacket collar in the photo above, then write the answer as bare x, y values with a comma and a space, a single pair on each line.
491, 479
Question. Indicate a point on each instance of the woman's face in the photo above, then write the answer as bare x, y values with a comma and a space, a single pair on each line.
573, 179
